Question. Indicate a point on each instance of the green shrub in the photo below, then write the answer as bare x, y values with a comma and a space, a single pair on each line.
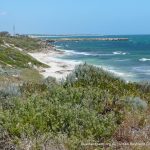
89, 75
10, 90
1, 41
89, 105
18, 59
37, 116
31, 75
50, 82
9, 72
137, 103
26, 43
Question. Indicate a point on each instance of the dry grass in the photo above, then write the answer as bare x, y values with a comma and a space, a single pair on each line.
135, 129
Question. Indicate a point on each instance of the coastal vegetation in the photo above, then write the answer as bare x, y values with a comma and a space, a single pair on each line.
90, 106
24, 42
14, 58
16, 65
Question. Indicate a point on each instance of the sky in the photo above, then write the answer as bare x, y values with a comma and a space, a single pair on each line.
75, 16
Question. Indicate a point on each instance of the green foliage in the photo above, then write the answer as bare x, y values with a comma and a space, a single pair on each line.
50, 82
12, 57
30, 75
89, 105
38, 115
30, 87
89, 76
9, 91
84, 74
8, 72
26, 43
137, 103
1, 41
145, 87
15, 58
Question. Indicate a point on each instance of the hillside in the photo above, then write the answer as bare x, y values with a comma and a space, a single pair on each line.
14, 58
90, 106
16, 65
24, 42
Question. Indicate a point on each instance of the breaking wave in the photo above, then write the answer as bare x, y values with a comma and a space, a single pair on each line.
73, 52
144, 59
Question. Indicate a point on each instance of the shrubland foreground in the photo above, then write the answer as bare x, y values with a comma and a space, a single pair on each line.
90, 106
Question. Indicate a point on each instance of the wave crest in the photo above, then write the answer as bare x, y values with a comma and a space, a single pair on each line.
119, 53
73, 52
144, 59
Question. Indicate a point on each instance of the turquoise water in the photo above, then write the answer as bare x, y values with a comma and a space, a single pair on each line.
129, 59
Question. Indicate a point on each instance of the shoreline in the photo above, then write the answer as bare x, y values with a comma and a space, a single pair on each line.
58, 67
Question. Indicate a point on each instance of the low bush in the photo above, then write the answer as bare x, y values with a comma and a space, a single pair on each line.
1, 41
18, 59
90, 104
26, 43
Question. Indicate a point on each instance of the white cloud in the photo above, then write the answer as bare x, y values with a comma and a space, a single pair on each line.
3, 13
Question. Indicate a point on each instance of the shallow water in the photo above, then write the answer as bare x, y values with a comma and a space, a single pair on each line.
129, 59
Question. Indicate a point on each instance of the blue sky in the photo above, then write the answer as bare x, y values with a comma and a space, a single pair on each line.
76, 16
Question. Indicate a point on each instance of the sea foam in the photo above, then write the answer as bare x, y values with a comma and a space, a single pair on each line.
119, 53
73, 52
144, 59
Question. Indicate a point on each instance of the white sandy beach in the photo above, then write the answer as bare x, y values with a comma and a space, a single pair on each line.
59, 68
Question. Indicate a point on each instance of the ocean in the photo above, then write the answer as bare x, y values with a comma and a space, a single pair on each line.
129, 60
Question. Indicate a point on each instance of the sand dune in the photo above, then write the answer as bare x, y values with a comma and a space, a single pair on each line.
59, 68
